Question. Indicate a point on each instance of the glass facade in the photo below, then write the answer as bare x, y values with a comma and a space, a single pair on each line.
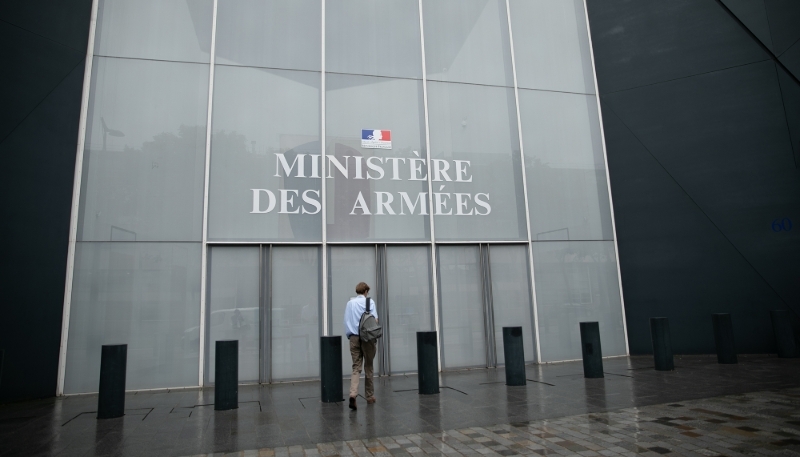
247, 163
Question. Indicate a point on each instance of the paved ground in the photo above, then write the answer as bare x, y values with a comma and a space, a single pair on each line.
183, 422
760, 423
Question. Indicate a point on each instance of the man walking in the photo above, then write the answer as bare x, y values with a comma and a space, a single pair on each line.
362, 352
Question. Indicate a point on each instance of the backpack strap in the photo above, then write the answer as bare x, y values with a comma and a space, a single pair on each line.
367, 298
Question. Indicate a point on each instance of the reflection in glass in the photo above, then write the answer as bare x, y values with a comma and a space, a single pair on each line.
511, 297
467, 41
145, 151
265, 123
392, 182
551, 45
348, 266
145, 295
409, 302
576, 281
476, 169
567, 187
463, 335
155, 29
295, 312
269, 33
233, 306
373, 38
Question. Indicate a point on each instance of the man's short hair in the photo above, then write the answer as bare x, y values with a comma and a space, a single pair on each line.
362, 288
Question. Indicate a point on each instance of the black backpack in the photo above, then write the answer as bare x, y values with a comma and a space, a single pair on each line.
368, 328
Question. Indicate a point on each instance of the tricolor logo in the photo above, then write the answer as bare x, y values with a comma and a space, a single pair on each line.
376, 139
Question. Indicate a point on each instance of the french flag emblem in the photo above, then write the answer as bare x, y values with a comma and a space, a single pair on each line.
376, 139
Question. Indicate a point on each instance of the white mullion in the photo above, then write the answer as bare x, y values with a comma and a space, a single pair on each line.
435, 281
76, 196
204, 252
608, 177
524, 190
323, 181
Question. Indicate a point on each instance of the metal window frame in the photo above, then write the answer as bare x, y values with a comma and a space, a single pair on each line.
76, 197
531, 273
204, 252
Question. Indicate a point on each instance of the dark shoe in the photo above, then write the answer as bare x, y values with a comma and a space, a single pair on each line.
371, 400
353, 403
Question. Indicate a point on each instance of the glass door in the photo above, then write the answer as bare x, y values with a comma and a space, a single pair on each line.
482, 288
268, 298
409, 304
348, 266
294, 304
463, 339
234, 307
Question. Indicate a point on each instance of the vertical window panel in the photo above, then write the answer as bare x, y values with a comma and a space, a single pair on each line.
551, 45
264, 182
475, 139
234, 306
391, 182
373, 38
178, 30
566, 175
143, 167
295, 312
409, 302
576, 281
348, 266
467, 41
463, 337
511, 297
269, 33
145, 295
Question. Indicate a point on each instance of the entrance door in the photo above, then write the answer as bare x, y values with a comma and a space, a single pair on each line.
234, 307
348, 266
400, 282
483, 288
268, 298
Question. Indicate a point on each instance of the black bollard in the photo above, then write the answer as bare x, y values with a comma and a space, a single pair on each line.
427, 363
662, 344
723, 336
111, 397
226, 375
330, 368
590, 347
784, 334
514, 355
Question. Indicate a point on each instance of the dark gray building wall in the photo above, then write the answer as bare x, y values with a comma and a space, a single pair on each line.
43, 51
701, 128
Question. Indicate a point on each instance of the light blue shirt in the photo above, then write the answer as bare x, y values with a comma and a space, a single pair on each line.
352, 313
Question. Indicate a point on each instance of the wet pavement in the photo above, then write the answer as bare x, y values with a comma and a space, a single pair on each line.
290, 417
760, 423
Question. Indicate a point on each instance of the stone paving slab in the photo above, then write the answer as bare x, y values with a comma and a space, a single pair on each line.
751, 424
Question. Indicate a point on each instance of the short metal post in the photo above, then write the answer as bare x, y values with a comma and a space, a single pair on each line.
784, 334
592, 352
427, 363
662, 344
514, 353
723, 337
330, 361
111, 396
226, 375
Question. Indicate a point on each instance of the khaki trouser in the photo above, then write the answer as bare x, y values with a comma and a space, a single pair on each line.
362, 353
